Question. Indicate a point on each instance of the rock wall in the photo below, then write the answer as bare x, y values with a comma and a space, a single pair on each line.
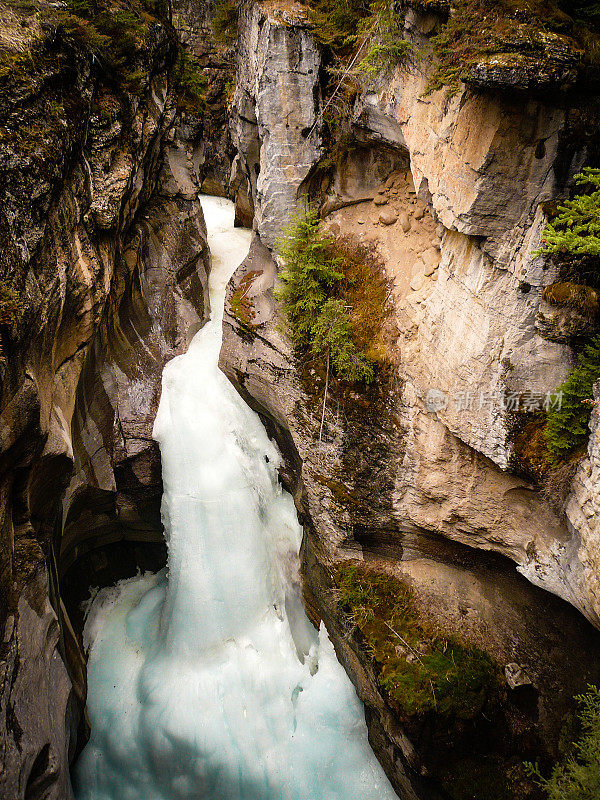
414, 474
104, 239
467, 300
275, 121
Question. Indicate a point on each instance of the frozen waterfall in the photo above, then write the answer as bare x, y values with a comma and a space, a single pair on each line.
207, 681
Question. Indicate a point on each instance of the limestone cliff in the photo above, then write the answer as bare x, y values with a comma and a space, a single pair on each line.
103, 239
414, 474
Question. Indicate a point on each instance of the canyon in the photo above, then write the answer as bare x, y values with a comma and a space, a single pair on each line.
415, 476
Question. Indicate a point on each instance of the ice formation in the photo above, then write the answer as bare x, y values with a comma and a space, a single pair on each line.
207, 681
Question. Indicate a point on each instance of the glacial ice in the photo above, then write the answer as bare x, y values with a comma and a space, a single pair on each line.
206, 681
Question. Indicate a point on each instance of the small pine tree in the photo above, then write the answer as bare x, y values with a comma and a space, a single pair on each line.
310, 278
308, 274
567, 423
576, 228
10, 304
578, 778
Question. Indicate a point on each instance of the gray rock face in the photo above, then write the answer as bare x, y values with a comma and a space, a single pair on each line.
108, 251
38, 707
275, 115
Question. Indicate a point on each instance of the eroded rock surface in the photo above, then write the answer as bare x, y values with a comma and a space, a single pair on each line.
275, 115
103, 237
414, 474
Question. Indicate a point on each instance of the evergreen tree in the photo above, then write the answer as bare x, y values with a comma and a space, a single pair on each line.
331, 335
10, 304
578, 778
576, 228
308, 274
316, 319
567, 423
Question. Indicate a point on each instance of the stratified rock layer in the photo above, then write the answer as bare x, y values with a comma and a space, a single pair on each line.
103, 237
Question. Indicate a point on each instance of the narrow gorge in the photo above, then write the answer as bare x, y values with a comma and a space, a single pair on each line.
341, 542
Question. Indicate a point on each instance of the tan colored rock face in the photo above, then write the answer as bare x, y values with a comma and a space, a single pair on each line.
410, 473
476, 156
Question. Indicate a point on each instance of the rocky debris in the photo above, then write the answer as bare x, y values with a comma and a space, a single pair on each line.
380, 200
417, 282
517, 676
404, 221
431, 259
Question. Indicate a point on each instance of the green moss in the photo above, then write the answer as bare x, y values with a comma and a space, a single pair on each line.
241, 305
475, 29
420, 668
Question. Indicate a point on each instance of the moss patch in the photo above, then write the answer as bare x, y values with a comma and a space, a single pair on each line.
421, 669
119, 34
10, 304
510, 30
240, 304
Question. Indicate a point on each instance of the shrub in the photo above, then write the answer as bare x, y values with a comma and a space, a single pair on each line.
338, 21
10, 304
578, 776
323, 291
331, 334
419, 667
567, 425
576, 227
387, 45
192, 84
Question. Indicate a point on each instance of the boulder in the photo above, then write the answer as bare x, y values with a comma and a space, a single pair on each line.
388, 217
404, 221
